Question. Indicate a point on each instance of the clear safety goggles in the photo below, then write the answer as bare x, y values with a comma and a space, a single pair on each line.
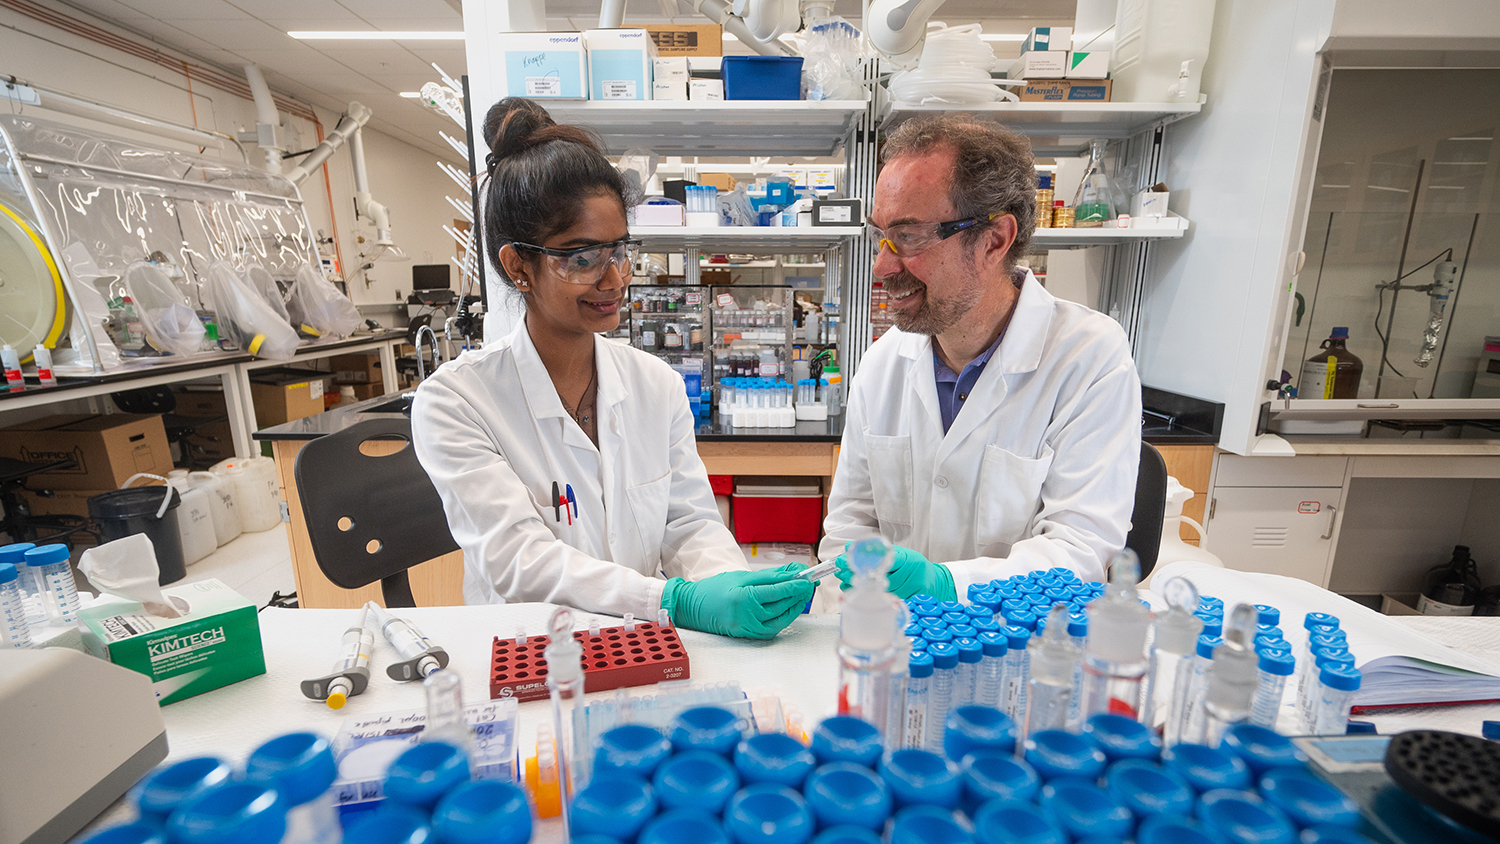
911, 239
586, 265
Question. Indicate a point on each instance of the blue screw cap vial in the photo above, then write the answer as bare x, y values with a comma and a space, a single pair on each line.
848, 794
952, 618
1015, 822
963, 631
612, 804
697, 780
921, 777
975, 590
682, 827
768, 814
424, 773
1210, 602
944, 654
920, 664
633, 749
1206, 768
1016, 637
487, 812
846, 835
936, 636
928, 825
1121, 737
774, 758
393, 823
1319, 619
1308, 800
1341, 677
711, 728
951, 606
299, 765
15, 553
1055, 753
1331, 835
994, 643
1267, 614
167, 789
1164, 830
231, 813
1240, 817
139, 832
843, 738
1024, 618
997, 777
1261, 748
1207, 645
1083, 809
977, 729
984, 625
1147, 789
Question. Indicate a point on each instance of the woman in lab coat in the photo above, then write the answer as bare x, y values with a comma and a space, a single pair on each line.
566, 462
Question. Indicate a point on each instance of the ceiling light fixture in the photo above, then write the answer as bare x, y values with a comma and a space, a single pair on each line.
378, 35
411, 95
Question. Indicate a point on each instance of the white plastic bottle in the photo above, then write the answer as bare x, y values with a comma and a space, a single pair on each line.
1173, 549
1160, 48
255, 493
42, 357
195, 520
11, 361
222, 507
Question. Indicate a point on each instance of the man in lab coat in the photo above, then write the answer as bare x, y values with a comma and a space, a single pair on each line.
996, 429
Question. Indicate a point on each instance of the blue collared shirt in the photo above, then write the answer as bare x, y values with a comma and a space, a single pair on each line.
953, 389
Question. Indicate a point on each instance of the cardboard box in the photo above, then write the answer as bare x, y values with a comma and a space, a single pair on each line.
1043, 64
542, 65
61, 502
214, 438
670, 90
1149, 203
657, 215
282, 395
723, 181
1047, 38
670, 69
364, 392
108, 449
1066, 91
216, 643
706, 90
1090, 65
356, 369
688, 39
619, 64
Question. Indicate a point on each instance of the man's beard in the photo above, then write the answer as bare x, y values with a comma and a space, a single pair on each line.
932, 317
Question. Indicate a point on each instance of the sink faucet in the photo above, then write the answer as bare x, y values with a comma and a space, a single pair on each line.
436, 360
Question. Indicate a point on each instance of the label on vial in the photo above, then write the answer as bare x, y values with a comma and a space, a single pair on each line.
916, 725
1427, 606
619, 89
544, 86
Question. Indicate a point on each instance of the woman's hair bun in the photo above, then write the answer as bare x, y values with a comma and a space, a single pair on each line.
512, 126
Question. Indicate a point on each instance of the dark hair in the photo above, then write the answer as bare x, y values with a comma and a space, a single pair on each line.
993, 170
539, 173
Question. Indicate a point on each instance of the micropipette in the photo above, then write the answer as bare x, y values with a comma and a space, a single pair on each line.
818, 572
351, 672
419, 657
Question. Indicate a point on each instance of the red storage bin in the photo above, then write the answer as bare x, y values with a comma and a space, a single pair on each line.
777, 510
722, 484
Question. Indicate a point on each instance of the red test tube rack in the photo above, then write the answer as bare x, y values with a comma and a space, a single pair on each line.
614, 659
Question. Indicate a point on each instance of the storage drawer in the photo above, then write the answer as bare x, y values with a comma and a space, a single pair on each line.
1321, 471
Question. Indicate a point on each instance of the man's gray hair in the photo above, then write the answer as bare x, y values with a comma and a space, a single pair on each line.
993, 170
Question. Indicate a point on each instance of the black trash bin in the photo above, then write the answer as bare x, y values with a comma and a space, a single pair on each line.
123, 512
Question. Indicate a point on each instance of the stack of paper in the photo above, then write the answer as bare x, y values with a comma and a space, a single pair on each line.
1401, 666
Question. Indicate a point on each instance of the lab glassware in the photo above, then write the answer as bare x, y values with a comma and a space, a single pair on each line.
1171, 665
564, 657
940, 699
445, 712
1275, 666
966, 682
1094, 201
895, 729
868, 630
27, 579
991, 683
1336, 687
351, 671
1115, 654
15, 633
918, 691
1232, 679
1017, 661
1050, 688
55, 581
419, 656
1203, 659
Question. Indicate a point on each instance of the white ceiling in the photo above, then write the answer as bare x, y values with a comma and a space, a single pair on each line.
230, 33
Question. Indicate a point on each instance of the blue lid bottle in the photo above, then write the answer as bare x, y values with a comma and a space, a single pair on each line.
921, 777
1160, 829
1207, 645
951, 606
682, 826
920, 664
921, 610
167, 788
424, 773
1210, 602
997, 777
139, 832
846, 835
977, 729
994, 643
1121, 737
1332, 835
1267, 614
989, 600
1011, 606
774, 758
936, 636
932, 622
963, 631
843, 738
1148, 789
711, 728
1206, 768
1319, 619
913, 630
970, 651
230, 813
612, 804
298, 765
1016, 637
1261, 748
1024, 618
928, 825
768, 814
1213, 624
1240, 817
634, 749
978, 611
1083, 809
696, 779
393, 823
1054, 753
985, 625
486, 812
847, 794
974, 590
952, 618
1015, 822
1308, 800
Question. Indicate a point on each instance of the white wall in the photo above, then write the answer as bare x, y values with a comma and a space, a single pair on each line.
402, 177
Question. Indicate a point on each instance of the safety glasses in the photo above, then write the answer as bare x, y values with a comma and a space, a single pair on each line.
586, 265
911, 239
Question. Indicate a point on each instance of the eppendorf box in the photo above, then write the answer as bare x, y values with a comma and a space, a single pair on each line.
215, 643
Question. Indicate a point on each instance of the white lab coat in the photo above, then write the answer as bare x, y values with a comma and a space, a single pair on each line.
1038, 469
492, 433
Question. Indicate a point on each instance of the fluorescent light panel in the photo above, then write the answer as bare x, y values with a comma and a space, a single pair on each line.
378, 35
411, 95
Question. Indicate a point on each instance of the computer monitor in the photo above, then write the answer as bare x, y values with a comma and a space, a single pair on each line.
431, 276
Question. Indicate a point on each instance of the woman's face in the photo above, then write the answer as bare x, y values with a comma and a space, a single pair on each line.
566, 306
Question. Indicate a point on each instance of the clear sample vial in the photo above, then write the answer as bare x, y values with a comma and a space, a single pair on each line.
1336, 687
990, 684
940, 700
1169, 676
1275, 667
1017, 670
1049, 689
918, 699
1192, 722
1115, 659
1233, 678
26, 579
54, 578
15, 632
966, 681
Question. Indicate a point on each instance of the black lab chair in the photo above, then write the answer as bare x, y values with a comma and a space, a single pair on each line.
1150, 508
371, 517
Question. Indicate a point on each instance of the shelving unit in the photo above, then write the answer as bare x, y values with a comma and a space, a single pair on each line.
1084, 238
1060, 129
758, 128
755, 240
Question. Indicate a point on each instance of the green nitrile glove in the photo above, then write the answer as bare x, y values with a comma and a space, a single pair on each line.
745, 604
911, 574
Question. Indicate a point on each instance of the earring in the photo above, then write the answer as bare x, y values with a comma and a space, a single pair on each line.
522, 285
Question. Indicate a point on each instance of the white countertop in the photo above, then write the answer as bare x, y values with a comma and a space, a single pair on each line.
1394, 447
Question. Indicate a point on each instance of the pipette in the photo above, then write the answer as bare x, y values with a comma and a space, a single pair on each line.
419, 657
351, 672
818, 572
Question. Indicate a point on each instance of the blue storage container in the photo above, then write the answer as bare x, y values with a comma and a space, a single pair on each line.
762, 77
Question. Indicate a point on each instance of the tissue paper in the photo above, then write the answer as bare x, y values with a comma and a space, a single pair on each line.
126, 568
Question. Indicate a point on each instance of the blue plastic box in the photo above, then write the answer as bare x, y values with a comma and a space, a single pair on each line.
762, 77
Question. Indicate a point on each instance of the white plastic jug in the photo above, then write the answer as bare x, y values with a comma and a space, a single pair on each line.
195, 520
1173, 549
221, 504
255, 491
1159, 51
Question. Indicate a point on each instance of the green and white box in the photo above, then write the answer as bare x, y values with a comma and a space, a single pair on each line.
215, 643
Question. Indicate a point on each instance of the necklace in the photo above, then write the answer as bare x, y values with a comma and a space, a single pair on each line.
578, 415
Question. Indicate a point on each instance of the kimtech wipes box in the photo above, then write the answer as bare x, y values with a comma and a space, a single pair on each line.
543, 65
215, 643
